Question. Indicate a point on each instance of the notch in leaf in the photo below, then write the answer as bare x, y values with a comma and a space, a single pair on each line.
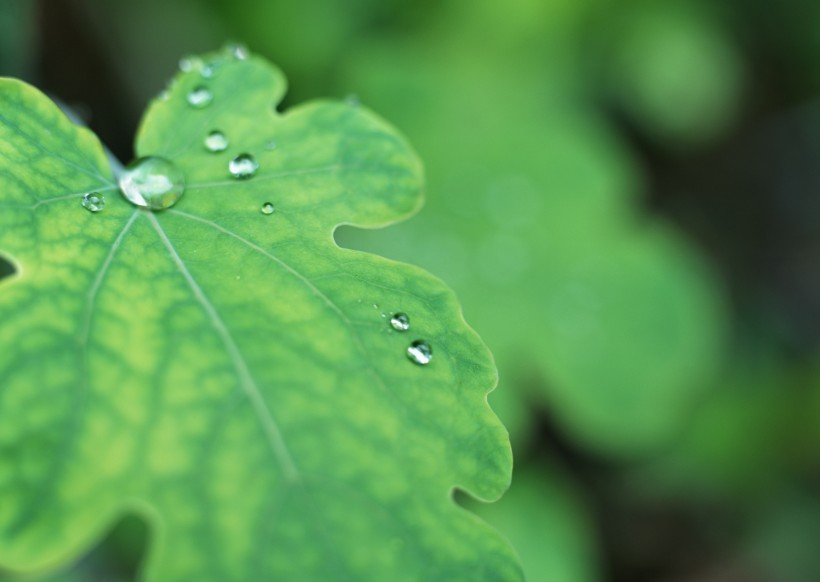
7, 268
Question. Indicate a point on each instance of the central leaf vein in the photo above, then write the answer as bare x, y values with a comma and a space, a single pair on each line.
249, 385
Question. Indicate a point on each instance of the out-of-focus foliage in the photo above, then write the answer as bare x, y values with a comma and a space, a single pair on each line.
737, 441
673, 69
16, 37
549, 129
547, 522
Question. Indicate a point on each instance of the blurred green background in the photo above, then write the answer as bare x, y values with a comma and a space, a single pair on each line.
625, 197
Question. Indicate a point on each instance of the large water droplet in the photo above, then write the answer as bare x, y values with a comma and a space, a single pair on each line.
243, 166
94, 201
400, 322
216, 141
200, 97
420, 352
267, 208
152, 182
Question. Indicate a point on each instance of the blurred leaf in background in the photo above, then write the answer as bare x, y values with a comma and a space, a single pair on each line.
17, 36
547, 521
672, 68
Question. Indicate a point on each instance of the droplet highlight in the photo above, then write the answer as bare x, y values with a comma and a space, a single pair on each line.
419, 352
216, 141
353, 101
400, 322
238, 51
200, 97
243, 166
208, 71
94, 201
267, 208
152, 182
189, 63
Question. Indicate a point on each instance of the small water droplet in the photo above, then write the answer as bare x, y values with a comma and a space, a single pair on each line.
152, 182
243, 166
420, 352
353, 100
200, 97
267, 208
375, 306
189, 63
216, 141
238, 51
208, 71
271, 145
94, 201
400, 322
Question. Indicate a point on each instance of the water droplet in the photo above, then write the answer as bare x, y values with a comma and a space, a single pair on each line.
271, 145
189, 63
208, 71
94, 201
152, 182
375, 306
420, 352
200, 97
353, 101
243, 166
267, 208
216, 141
238, 51
400, 322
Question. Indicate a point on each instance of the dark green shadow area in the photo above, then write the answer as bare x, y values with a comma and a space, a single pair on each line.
7, 268
118, 557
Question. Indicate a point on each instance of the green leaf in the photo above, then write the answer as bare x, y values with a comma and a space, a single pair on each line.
229, 375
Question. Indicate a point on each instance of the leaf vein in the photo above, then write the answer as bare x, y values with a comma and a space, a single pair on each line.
94, 173
272, 431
